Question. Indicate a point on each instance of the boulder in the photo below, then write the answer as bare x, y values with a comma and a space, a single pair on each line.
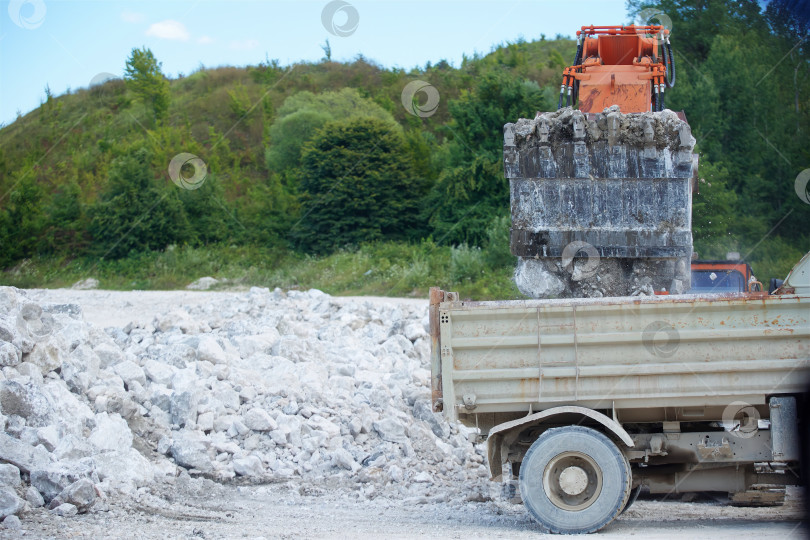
9, 354
414, 331
205, 421
422, 411
10, 503
47, 355
158, 372
51, 480
27, 401
80, 368
422, 478
9, 475
179, 319
48, 437
258, 420
108, 354
210, 350
130, 372
111, 432
342, 459
30, 370
254, 344
12, 523
183, 408
124, 467
24, 456
33, 497
65, 510
190, 450
81, 494
202, 284
7, 331
85, 284
248, 466
391, 430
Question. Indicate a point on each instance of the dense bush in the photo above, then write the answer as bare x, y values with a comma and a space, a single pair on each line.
357, 186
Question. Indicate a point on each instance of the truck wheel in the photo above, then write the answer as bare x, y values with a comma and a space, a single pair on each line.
574, 480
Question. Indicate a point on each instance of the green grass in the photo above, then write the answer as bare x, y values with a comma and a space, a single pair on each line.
380, 269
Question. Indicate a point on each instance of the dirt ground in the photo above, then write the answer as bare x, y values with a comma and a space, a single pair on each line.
203, 509
198, 508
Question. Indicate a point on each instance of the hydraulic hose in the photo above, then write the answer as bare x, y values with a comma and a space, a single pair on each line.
671, 81
669, 63
573, 84
578, 55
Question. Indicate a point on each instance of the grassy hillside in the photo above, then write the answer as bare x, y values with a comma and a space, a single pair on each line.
227, 111
294, 155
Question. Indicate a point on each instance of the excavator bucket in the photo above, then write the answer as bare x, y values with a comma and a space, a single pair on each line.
601, 197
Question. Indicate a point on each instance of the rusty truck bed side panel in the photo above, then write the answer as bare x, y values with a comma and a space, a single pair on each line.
617, 353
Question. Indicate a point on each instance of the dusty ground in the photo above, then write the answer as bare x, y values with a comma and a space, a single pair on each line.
207, 510
203, 509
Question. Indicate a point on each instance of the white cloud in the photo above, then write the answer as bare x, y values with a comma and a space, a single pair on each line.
168, 29
244, 45
132, 16
204, 40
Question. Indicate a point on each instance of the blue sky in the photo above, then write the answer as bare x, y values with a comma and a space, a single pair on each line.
66, 43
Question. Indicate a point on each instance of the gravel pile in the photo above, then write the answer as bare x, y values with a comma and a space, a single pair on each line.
267, 387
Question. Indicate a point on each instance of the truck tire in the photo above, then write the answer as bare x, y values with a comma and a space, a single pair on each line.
634, 493
574, 480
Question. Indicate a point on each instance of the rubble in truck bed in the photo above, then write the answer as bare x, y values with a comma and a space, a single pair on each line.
601, 203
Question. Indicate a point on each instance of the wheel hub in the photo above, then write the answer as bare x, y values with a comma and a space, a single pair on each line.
572, 481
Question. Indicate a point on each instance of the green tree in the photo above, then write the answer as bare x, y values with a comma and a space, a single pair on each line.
743, 79
471, 188
146, 80
66, 226
21, 220
210, 216
301, 114
134, 213
357, 186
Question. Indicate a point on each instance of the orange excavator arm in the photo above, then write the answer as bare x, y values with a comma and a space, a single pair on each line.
619, 65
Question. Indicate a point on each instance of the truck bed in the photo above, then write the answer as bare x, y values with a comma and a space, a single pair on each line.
693, 355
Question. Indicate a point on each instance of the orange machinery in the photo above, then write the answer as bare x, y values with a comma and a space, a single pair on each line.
619, 65
723, 277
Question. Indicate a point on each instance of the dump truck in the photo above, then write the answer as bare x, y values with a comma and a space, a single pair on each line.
584, 401
608, 379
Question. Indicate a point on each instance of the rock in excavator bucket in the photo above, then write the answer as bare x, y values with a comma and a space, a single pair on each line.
601, 203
